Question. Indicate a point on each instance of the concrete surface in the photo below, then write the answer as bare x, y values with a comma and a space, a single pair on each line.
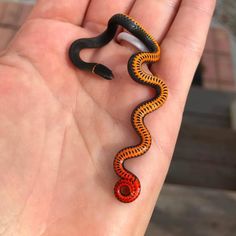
185, 211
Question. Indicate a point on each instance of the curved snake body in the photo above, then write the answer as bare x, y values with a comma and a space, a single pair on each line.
128, 188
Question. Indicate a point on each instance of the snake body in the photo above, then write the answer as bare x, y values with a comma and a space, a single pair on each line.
128, 188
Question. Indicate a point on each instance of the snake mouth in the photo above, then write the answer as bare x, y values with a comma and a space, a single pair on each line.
127, 191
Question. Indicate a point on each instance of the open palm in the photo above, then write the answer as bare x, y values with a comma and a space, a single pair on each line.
61, 127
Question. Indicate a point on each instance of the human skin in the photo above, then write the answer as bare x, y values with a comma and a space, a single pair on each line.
61, 127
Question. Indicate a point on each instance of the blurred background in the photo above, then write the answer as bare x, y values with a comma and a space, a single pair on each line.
199, 196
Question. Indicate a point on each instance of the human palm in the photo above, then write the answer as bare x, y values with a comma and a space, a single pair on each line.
61, 127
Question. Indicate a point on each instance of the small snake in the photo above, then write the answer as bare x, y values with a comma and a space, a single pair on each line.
128, 188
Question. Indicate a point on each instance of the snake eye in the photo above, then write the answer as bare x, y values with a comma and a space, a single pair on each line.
103, 71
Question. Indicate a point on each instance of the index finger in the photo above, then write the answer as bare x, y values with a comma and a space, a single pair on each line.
183, 45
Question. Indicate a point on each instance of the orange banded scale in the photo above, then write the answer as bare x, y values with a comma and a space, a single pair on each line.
128, 188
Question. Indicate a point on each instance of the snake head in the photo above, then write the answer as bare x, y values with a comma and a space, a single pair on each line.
103, 71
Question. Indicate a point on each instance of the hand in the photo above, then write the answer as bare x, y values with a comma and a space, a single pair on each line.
61, 127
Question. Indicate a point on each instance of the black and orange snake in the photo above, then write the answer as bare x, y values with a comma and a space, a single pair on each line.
128, 188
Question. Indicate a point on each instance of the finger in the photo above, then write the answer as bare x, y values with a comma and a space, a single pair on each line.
181, 50
155, 16
72, 11
100, 11
183, 45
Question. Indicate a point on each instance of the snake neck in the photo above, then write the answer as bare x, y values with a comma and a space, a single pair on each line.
104, 38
